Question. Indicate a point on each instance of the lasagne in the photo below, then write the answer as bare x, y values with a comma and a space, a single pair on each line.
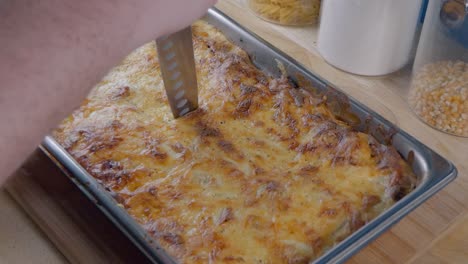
261, 172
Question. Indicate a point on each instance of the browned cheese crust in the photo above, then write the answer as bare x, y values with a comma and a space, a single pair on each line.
262, 172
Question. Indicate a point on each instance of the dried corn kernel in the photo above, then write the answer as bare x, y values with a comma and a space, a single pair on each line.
438, 95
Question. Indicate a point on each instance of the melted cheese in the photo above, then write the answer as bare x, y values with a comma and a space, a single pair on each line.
262, 172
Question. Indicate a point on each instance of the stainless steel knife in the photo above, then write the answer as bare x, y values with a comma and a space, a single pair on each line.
177, 62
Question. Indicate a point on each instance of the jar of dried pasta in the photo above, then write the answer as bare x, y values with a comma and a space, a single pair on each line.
286, 12
439, 88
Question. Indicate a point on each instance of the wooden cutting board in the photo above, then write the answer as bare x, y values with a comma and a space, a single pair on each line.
437, 232
74, 224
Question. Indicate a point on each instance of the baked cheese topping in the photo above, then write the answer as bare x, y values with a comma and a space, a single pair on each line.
262, 172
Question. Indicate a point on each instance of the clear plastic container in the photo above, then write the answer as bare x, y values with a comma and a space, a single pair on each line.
439, 87
286, 12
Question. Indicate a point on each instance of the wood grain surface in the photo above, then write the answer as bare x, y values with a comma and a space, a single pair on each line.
436, 232
72, 222
21, 239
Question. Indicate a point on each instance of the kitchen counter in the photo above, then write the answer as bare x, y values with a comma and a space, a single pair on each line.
437, 232
21, 240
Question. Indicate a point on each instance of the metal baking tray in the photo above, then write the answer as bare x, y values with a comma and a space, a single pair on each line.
433, 171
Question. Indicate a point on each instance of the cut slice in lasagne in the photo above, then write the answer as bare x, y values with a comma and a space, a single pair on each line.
262, 172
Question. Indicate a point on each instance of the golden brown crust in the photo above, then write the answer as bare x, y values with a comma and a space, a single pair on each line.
262, 172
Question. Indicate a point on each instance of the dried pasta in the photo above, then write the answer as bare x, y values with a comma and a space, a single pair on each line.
288, 12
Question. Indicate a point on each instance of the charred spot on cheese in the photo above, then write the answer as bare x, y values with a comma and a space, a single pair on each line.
308, 170
258, 142
116, 124
153, 191
205, 131
173, 239
278, 85
179, 148
103, 143
170, 193
122, 92
235, 173
272, 186
263, 171
259, 123
311, 119
247, 89
307, 147
293, 145
345, 150
298, 96
258, 171
155, 152
233, 259
226, 146
111, 165
261, 78
118, 198
112, 177
225, 215
152, 148
390, 159
330, 212
242, 109
108, 170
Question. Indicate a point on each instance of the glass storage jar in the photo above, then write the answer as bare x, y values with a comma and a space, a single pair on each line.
286, 12
439, 87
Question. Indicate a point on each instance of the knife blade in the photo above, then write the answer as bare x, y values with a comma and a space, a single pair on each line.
177, 63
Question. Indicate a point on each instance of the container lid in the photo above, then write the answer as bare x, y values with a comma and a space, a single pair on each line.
454, 17
453, 13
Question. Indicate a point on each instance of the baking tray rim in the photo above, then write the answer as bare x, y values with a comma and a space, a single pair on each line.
338, 253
